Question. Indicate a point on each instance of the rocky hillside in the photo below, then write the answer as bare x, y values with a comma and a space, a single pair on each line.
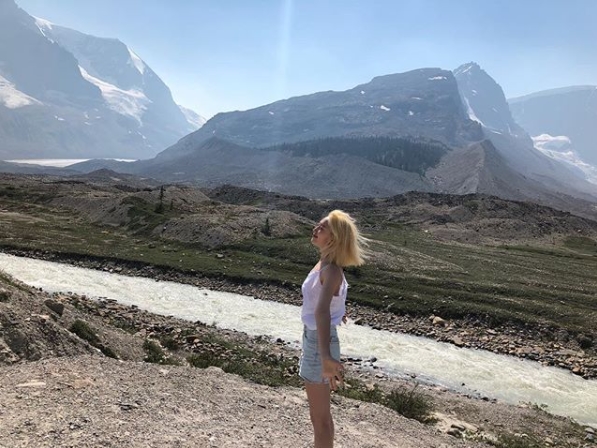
424, 102
481, 217
216, 162
414, 131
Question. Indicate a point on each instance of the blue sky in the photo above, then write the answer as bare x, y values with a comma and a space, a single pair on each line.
223, 55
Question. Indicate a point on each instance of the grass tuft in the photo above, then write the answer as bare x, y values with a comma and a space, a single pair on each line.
156, 355
516, 441
411, 403
84, 331
407, 402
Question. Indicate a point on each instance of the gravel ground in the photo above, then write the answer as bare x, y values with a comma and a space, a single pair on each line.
90, 401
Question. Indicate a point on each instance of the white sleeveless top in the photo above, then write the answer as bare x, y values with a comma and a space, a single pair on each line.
311, 290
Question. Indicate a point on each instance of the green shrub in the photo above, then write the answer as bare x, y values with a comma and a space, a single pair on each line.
155, 354
85, 332
410, 403
170, 343
4, 295
107, 351
516, 441
258, 368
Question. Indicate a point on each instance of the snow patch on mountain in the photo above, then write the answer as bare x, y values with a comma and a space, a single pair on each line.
470, 111
13, 98
559, 147
136, 60
192, 117
131, 103
43, 25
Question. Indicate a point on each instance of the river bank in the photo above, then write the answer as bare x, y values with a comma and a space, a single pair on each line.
542, 344
91, 401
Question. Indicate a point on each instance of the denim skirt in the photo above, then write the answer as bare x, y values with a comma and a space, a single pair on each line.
310, 363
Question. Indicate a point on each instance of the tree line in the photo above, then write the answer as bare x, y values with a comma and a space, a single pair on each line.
404, 153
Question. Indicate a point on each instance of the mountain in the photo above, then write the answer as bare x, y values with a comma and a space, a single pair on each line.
486, 104
65, 94
562, 123
423, 102
193, 117
216, 162
485, 100
401, 132
481, 168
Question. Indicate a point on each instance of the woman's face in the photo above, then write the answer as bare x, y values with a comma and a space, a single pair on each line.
322, 234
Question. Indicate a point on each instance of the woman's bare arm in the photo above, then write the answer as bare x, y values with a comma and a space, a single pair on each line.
331, 283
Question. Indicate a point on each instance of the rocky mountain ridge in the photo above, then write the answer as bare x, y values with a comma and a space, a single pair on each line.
65, 94
291, 146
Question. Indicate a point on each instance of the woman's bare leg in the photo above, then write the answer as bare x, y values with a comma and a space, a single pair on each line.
318, 396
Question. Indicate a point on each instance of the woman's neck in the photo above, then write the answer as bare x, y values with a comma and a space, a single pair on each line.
324, 261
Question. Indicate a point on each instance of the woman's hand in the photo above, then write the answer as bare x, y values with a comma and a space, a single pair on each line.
333, 371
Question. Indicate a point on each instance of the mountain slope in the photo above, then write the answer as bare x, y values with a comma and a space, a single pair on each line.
422, 102
216, 162
569, 113
487, 104
64, 94
350, 156
128, 84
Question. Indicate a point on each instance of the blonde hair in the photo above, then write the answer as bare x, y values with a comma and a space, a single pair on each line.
347, 245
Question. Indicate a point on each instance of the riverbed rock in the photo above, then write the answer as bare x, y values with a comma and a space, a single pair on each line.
438, 321
55, 306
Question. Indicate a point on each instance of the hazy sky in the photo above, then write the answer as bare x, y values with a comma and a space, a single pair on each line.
223, 55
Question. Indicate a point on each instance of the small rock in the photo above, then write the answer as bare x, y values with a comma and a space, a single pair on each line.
32, 384
128, 406
454, 432
437, 321
458, 341
55, 306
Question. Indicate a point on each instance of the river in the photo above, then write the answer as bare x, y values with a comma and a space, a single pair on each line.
480, 372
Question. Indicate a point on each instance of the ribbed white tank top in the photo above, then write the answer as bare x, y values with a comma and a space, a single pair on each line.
311, 290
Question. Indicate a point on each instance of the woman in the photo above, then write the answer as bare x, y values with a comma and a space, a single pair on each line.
324, 304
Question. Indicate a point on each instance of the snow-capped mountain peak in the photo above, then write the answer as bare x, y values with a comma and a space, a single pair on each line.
469, 68
484, 99
193, 117
43, 24
70, 94
126, 82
